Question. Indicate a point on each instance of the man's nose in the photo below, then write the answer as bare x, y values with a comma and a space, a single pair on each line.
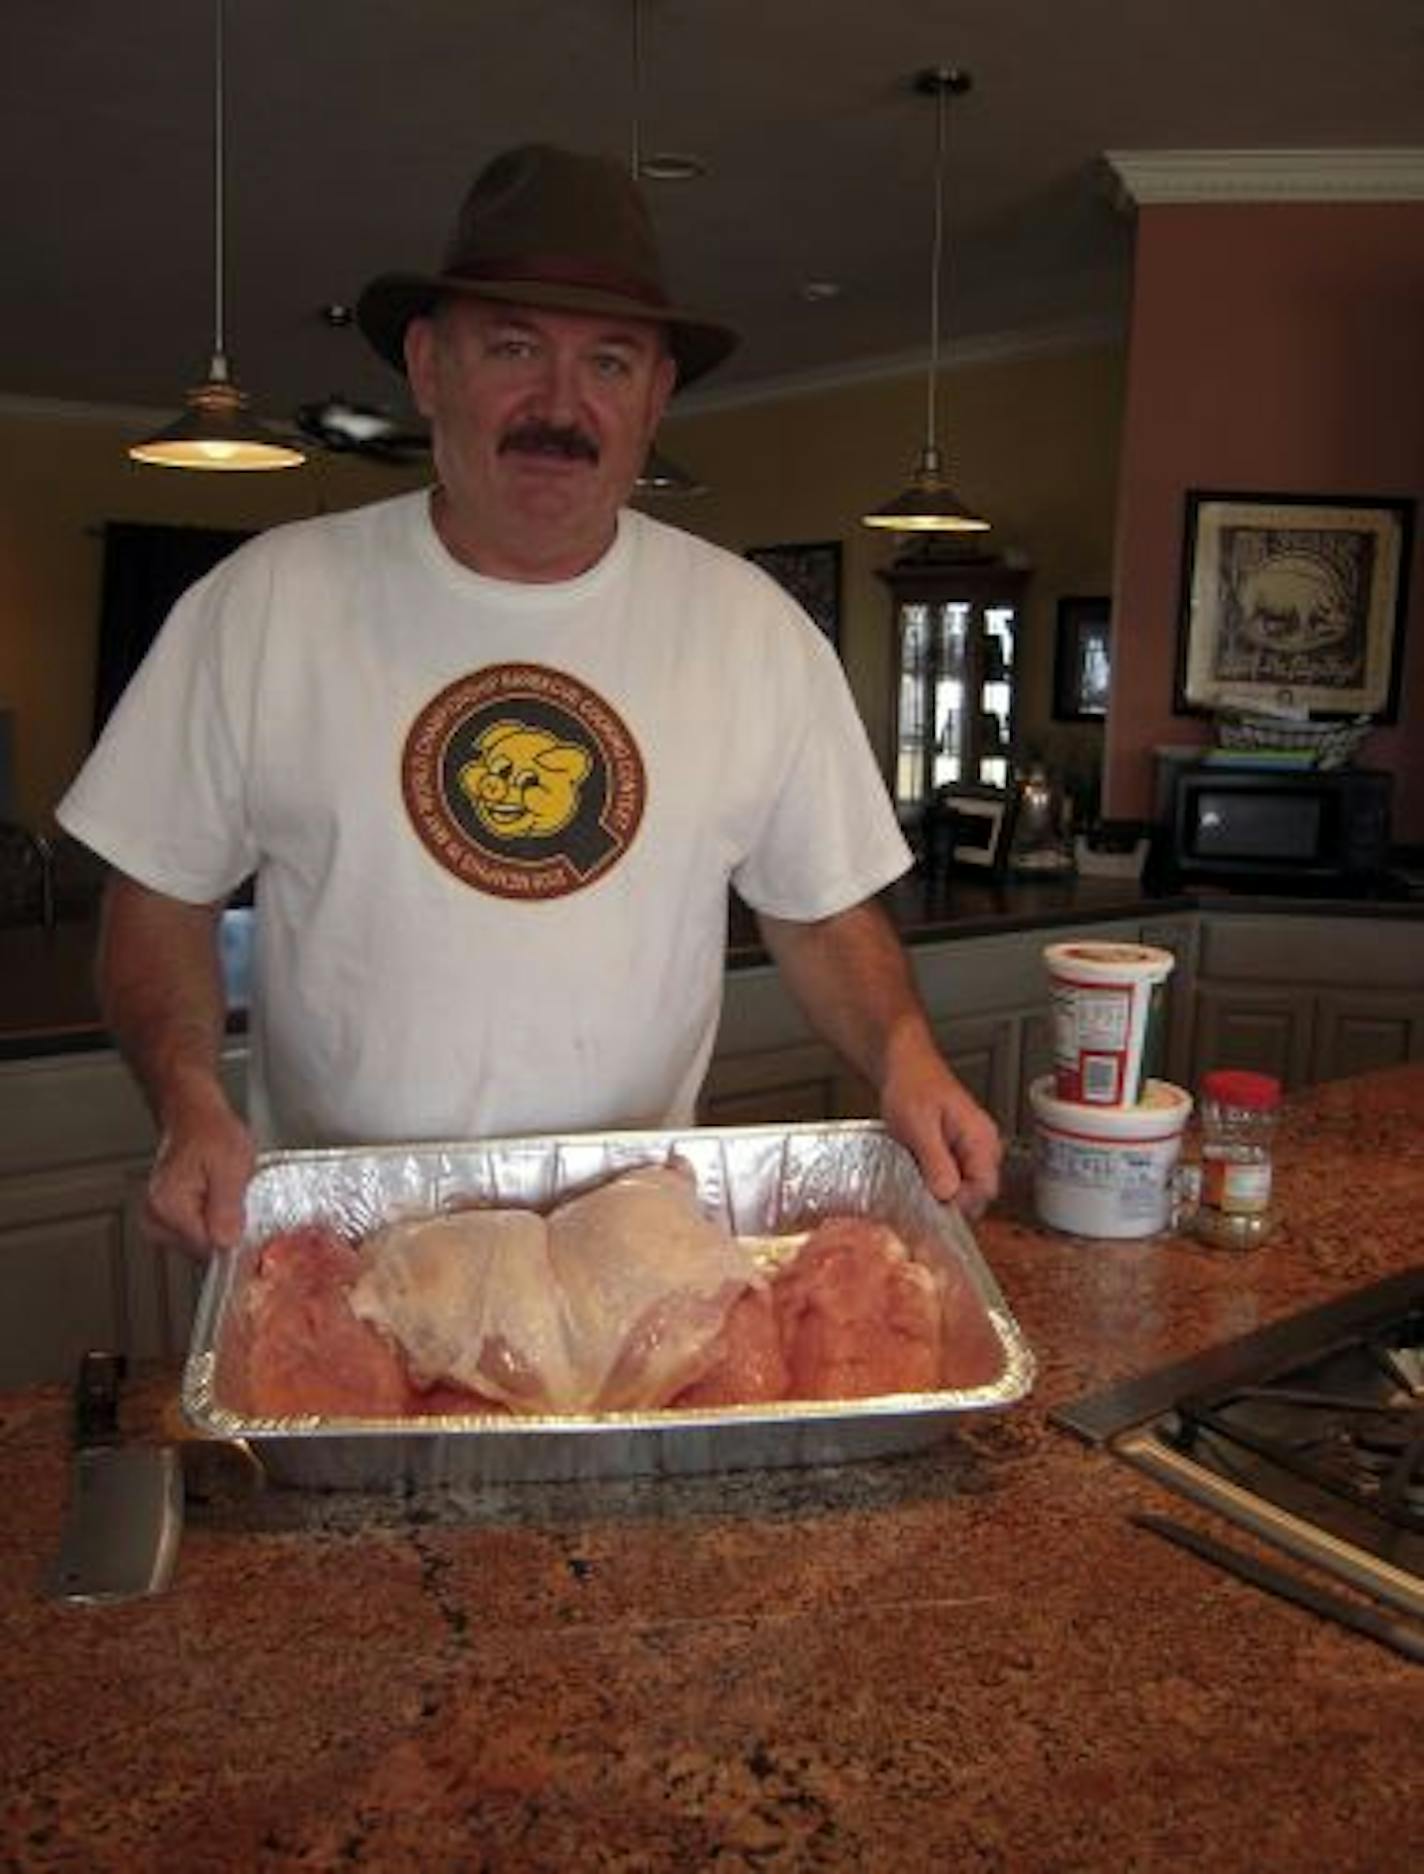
559, 387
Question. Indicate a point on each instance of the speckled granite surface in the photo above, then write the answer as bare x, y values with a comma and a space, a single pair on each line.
964, 1660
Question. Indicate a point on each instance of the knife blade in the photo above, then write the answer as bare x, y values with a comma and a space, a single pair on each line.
125, 1513
1400, 1636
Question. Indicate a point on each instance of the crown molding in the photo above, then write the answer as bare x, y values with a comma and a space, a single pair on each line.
1141, 178
993, 348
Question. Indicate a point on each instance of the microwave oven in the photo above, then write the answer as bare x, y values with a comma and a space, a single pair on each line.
1252, 825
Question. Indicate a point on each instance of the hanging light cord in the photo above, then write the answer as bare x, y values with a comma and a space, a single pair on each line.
936, 269
637, 153
219, 230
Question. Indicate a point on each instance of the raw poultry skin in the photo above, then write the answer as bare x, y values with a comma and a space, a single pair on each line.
611, 1303
857, 1317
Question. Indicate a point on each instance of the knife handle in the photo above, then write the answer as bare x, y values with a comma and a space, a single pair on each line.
96, 1397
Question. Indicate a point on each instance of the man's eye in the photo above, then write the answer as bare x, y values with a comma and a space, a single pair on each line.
512, 348
612, 364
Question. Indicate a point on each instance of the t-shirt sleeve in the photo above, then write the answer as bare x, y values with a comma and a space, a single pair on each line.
830, 837
162, 797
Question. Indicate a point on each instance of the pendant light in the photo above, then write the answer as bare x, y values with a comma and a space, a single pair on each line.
661, 475
215, 430
929, 504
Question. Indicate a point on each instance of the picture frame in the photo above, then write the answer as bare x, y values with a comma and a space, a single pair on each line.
1294, 601
977, 823
1082, 659
810, 570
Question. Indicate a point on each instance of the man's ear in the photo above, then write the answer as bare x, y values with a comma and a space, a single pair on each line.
420, 362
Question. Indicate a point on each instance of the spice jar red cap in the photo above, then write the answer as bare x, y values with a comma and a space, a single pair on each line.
1234, 1086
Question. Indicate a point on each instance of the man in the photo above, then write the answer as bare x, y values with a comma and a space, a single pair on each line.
494, 754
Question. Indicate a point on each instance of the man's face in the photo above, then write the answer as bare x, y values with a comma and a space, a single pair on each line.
541, 422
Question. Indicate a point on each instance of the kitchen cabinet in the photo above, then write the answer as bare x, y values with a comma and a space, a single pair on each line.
955, 648
76, 1269
987, 999
1307, 998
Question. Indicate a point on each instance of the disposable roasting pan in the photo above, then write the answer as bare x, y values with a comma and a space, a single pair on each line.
762, 1181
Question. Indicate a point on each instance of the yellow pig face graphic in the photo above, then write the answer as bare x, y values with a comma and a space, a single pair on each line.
523, 782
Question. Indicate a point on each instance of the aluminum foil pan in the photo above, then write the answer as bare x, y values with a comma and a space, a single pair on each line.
763, 1182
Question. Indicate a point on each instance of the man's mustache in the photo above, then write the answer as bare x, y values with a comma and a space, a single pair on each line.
564, 439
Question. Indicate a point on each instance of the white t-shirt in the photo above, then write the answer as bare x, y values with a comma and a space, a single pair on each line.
492, 824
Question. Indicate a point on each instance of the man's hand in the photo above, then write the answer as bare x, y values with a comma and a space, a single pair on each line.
851, 978
200, 1174
161, 990
953, 1140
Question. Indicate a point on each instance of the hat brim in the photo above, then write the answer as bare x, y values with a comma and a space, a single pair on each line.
390, 302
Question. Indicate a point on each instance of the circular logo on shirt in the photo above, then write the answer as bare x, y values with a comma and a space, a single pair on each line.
523, 782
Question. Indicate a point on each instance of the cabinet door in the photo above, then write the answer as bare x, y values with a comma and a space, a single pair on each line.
1035, 1060
984, 1051
1264, 1029
1355, 1031
789, 1085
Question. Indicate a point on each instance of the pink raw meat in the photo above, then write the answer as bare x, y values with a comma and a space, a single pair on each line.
857, 1316
745, 1362
304, 1351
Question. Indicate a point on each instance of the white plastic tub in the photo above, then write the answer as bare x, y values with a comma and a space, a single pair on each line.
1107, 1171
1103, 997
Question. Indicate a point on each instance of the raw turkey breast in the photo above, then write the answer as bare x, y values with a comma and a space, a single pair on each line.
296, 1345
857, 1316
612, 1303
744, 1365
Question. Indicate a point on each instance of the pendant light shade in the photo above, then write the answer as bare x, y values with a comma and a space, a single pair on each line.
216, 430
929, 504
662, 476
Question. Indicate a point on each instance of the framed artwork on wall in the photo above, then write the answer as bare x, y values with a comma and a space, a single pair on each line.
811, 572
1293, 600
1082, 659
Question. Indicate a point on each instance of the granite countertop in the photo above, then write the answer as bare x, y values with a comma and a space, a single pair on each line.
968, 1659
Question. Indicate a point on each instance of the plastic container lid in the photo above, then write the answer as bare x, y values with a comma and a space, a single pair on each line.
1234, 1086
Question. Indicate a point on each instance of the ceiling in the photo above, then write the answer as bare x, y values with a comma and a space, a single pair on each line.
353, 127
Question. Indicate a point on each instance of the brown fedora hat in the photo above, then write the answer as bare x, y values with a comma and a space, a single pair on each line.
546, 227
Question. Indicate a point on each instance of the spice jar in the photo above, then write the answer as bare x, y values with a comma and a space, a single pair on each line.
1237, 1111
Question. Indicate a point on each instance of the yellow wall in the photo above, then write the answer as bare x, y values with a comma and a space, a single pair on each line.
1032, 443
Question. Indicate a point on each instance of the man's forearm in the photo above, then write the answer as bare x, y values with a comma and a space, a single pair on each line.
161, 992
852, 979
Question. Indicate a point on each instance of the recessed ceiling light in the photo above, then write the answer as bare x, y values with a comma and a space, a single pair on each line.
815, 291
336, 314
670, 166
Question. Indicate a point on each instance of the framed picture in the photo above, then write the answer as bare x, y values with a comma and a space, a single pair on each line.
811, 572
1295, 600
1082, 660
976, 822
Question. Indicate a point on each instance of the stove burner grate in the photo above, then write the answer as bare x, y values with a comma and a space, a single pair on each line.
1350, 1440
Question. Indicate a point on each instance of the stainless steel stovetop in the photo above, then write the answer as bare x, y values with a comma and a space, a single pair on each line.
1310, 1433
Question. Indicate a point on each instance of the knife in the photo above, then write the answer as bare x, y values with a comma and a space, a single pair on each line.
1400, 1636
125, 1515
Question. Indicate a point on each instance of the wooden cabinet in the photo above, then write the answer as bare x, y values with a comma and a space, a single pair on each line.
987, 999
76, 1268
1307, 998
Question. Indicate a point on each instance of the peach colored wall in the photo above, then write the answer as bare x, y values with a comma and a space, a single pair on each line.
1277, 348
